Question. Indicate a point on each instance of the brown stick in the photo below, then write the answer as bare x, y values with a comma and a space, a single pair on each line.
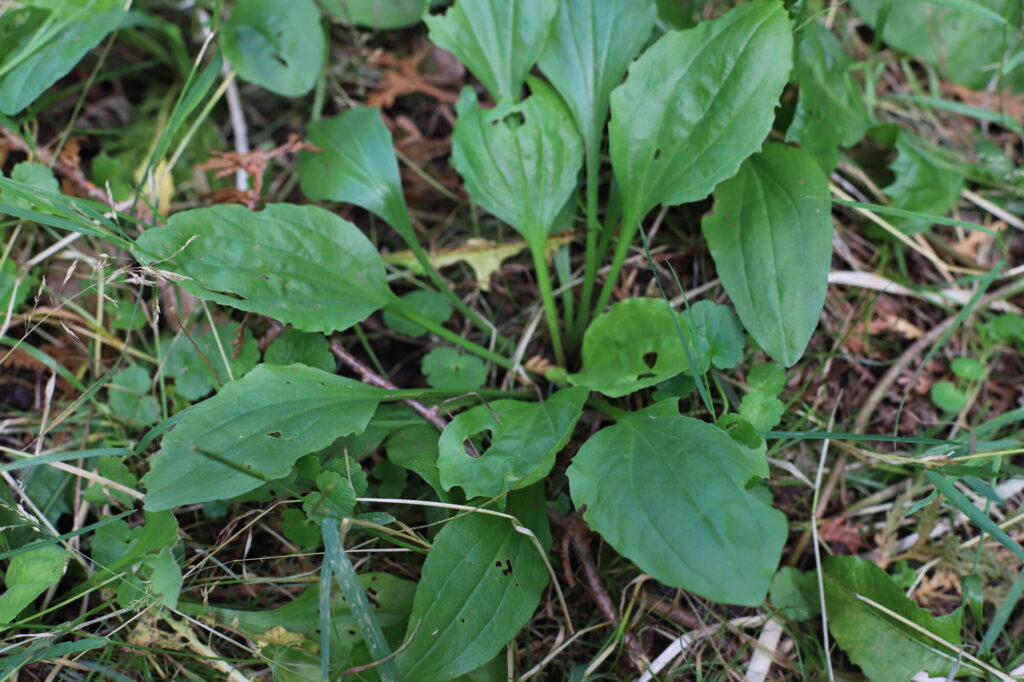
368, 376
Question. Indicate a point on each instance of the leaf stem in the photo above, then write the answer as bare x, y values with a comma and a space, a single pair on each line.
592, 254
400, 307
547, 295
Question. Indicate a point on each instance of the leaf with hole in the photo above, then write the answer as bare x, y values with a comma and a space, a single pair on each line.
636, 344
771, 239
498, 41
519, 161
524, 440
279, 46
884, 648
357, 165
670, 493
253, 431
43, 57
480, 584
696, 104
830, 112
301, 265
592, 43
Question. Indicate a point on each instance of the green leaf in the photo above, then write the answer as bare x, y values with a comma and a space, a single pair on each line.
830, 112
294, 346
968, 368
498, 41
795, 594
669, 493
948, 397
130, 393
767, 377
336, 497
696, 104
519, 161
718, 332
164, 577
430, 303
13, 291
885, 649
962, 39
253, 431
415, 448
34, 175
771, 239
116, 547
449, 369
197, 368
114, 469
634, 345
29, 574
301, 265
524, 437
357, 166
380, 15
922, 185
277, 46
592, 43
762, 410
44, 57
480, 584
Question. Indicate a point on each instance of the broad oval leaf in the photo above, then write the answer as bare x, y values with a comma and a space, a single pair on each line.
301, 265
498, 41
771, 238
519, 161
592, 43
30, 573
276, 45
885, 649
253, 431
41, 61
480, 583
696, 104
669, 493
357, 166
634, 345
525, 437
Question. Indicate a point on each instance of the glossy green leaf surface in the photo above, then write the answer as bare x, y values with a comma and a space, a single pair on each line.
29, 574
480, 583
591, 45
519, 161
380, 15
279, 46
885, 649
771, 239
923, 184
634, 345
696, 104
524, 437
498, 41
357, 166
301, 265
33, 67
669, 493
830, 112
962, 43
253, 431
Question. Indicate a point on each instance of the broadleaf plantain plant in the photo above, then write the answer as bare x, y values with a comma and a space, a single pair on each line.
677, 495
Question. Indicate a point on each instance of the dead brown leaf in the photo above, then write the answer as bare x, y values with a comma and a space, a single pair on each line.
401, 76
255, 164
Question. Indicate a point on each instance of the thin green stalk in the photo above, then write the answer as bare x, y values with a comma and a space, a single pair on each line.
400, 307
547, 296
592, 254
409, 237
621, 250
